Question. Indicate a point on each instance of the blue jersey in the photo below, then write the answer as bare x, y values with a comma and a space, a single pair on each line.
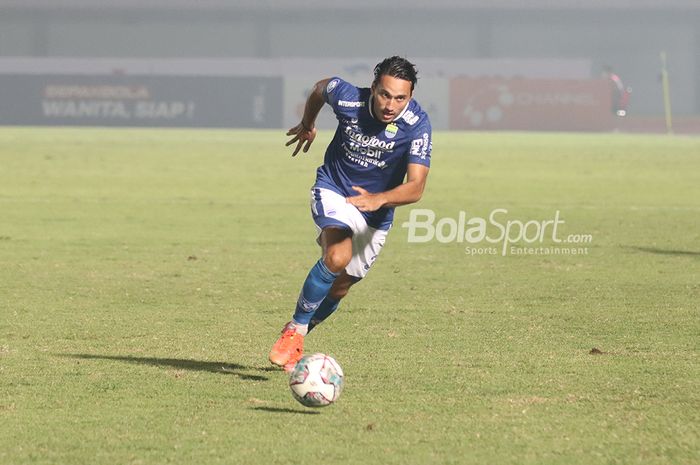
368, 153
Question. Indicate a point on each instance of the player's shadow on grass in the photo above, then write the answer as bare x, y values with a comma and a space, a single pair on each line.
181, 364
666, 251
286, 410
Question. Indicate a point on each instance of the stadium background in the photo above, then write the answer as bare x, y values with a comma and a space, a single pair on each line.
220, 63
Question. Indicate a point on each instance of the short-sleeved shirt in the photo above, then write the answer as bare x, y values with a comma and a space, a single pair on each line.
368, 153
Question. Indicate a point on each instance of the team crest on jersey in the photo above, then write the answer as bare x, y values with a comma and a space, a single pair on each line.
391, 130
332, 85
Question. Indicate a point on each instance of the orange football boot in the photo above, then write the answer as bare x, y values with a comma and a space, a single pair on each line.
288, 349
289, 366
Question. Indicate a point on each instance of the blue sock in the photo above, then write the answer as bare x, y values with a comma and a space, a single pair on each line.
315, 289
326, 309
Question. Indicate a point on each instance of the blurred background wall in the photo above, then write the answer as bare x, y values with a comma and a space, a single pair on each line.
626, 35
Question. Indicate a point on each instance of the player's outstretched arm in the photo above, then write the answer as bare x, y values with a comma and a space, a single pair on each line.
409, 192
304, 133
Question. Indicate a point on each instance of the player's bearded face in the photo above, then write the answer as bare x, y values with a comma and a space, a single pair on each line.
390, 96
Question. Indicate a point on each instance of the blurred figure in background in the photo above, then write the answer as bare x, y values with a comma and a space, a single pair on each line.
620, 93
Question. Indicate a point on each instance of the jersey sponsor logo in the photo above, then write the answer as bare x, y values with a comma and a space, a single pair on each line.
347, 104
332, 85
365, 156
367, 141
416, 145
391, 130
410, 117
421, 147
365, 150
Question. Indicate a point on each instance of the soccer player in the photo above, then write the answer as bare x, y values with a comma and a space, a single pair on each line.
383, 137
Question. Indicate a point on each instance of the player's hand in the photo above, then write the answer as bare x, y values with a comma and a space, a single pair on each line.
366, 201
302, 136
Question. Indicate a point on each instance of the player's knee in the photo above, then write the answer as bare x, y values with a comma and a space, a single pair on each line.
337, 259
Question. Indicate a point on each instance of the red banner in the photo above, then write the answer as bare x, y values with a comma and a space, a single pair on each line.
530, 104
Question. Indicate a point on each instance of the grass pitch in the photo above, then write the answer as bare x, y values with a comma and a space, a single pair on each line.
144, 275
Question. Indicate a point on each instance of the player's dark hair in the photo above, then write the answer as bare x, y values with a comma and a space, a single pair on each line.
397, 67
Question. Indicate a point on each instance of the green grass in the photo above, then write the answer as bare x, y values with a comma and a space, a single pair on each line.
144, 275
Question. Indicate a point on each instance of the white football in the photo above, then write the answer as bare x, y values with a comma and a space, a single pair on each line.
316, 380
